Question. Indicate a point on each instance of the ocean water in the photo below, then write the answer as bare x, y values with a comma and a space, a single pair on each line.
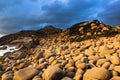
8, 49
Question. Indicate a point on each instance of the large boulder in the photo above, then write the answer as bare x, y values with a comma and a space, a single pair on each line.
25, 74
7, 76
27, 42
53, 73
96, 73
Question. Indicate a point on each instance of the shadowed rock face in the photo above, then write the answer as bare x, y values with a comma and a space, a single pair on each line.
49, 30
34, 34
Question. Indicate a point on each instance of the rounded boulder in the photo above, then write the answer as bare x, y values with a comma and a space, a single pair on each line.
96, 73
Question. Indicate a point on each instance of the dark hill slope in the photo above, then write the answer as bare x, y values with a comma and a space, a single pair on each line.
44, 32
91, 29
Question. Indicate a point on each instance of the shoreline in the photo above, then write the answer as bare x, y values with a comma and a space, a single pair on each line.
9, 48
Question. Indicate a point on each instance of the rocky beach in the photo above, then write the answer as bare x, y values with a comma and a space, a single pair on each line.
86, 51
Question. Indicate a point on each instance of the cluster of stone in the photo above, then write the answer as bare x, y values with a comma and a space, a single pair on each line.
94, 59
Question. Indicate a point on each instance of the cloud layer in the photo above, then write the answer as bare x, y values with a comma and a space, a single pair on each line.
17, 15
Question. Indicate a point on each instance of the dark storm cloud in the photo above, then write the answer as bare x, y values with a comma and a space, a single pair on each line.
17, 15
111, 14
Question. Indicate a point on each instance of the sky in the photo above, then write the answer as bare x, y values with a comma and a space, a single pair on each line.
16, 15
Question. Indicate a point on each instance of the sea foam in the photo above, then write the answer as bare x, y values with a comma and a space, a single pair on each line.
8, 49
